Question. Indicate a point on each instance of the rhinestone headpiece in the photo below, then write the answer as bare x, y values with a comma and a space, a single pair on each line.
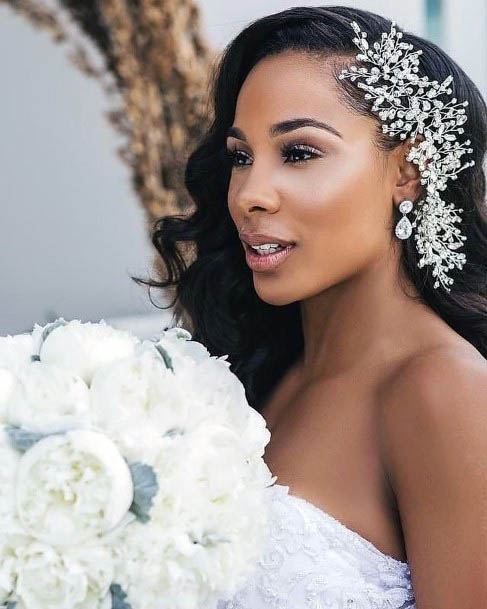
408, 105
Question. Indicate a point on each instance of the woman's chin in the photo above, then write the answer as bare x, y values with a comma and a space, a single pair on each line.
276, 295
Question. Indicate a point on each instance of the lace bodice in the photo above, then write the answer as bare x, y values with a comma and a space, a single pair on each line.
313, 561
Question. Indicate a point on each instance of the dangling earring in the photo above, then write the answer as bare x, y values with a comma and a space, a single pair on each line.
404, 227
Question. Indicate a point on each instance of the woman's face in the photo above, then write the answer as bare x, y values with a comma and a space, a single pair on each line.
327, 190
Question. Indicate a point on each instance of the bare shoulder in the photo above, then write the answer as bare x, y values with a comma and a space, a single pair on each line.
433, 380
433, 431
445, 385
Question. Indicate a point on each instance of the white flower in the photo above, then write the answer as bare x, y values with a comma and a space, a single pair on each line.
179, 346
194, 488
218, 395
7, 384
72, 487
15, 354
15, 351
71, 521
7, 570
199, 538
256, 435
47, 398
82, 348
156, 576
73, 579
9, 462
141, 392
137, 400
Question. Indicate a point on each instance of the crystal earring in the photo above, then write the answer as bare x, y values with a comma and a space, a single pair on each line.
404, 227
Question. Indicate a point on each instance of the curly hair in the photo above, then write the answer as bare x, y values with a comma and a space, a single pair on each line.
214, 294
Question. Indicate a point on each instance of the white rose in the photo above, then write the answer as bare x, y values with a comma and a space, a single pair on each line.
82, 348
73, 579
72, 487
46, 398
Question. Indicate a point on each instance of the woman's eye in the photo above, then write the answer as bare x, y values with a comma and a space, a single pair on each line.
234, 156
298, 153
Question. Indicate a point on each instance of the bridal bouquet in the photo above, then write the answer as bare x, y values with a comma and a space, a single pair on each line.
131, 471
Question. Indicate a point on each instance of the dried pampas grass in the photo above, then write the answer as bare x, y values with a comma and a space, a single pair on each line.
154, 63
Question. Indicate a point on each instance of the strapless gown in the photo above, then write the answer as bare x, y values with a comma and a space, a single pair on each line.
313, 561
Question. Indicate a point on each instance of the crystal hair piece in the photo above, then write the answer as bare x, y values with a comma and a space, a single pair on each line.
408, 105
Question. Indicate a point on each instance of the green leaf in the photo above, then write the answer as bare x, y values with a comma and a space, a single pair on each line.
21, 439
118, 597
174, 431
145, 488
45, 333
52, 326
165, 356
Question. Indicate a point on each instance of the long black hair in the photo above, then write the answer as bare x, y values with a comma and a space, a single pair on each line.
214, 295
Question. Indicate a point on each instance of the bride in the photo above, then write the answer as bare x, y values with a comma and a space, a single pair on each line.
366, 357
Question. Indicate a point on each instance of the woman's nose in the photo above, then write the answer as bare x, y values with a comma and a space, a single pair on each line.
257, 191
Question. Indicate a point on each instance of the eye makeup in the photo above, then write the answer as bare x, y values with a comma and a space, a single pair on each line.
302, 150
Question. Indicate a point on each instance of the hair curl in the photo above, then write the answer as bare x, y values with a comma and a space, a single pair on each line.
214, 294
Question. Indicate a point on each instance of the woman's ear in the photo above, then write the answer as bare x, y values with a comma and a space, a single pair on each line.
408, 178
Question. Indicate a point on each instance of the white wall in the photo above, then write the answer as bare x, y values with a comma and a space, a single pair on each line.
466, 38
464, 27
223, 18
71, 230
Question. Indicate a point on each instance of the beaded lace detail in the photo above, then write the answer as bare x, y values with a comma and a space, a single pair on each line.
313, 561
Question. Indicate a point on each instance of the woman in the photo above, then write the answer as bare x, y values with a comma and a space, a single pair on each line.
372, 379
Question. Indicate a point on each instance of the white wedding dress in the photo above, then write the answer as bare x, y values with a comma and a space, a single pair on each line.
313, 561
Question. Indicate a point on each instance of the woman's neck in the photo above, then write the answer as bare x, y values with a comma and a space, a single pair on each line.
361, 321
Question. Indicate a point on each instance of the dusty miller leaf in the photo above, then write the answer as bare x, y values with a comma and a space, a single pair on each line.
21, 439
145, 488
118, 597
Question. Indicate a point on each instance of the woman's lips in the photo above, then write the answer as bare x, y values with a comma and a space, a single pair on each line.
266, 262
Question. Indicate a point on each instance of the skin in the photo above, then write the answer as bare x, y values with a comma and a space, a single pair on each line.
381, 372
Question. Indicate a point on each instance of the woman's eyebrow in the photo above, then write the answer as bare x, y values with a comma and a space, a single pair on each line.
286, 126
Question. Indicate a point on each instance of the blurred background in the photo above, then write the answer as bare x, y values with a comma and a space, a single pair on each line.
81, 182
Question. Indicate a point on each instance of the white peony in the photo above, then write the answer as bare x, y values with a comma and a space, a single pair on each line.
15, 351
47, 398
82, 348
193, 485
72, 579
179, 346
72, 487
199, 518
139, 394
9, 462
7, 385
218, 395
7, 570
155, 575
142, 483
15, 354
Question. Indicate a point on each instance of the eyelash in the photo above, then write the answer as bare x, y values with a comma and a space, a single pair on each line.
231, 154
